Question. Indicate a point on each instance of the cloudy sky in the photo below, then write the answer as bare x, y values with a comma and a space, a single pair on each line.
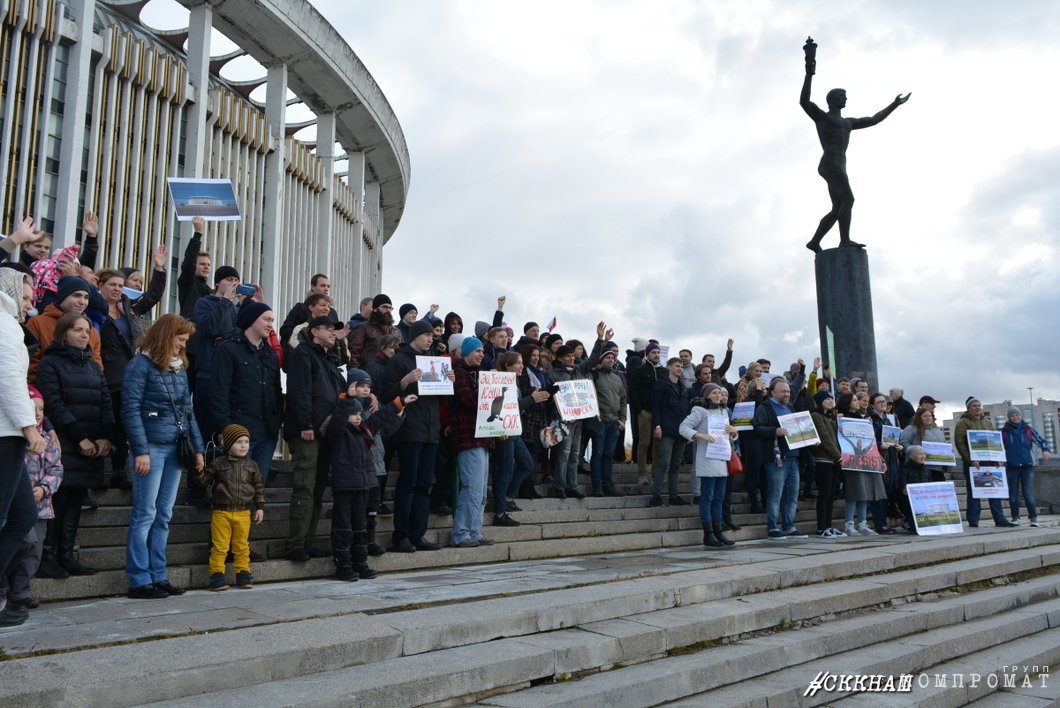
647, 163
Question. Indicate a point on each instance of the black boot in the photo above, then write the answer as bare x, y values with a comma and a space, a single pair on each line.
340, 551
374, 549
598, 490
708, 536
360, 556
756, 508
726, 517
69, 521
49, 565
610, 491
720, 535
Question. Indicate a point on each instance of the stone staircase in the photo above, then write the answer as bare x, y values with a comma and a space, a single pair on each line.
750, 625
550, 528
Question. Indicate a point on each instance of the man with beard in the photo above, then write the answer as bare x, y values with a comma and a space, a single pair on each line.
364, 341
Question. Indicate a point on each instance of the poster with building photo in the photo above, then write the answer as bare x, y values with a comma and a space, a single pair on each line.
212, 199
986, 446
498, 405
935, 509
801, 430
989, 483
435, 381
576, 400
857, 443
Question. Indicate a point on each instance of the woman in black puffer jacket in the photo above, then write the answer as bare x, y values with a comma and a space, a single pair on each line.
78, 405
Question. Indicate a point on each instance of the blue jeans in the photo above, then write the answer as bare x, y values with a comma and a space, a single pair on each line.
513, 465
604, 445
261, 451
974, 510
412, 493
152, 508
1021, 478
782, 493
711, 494
467, 517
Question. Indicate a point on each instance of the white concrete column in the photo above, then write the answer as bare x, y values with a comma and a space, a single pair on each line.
71, 150
326, 212
371, 205
355, 179
273, 215
200, 23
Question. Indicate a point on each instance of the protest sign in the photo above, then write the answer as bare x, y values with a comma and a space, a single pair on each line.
857, 443
576, 399
801, 430
664, 353
212, 199
986, 446
939, 454
742, 414
721, 448
989, 483
935, 509
435, 381
498, 405
891, 433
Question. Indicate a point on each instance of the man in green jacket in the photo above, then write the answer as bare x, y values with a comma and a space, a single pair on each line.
973, 419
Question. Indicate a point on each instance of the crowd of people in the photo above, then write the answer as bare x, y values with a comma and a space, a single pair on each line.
88, 375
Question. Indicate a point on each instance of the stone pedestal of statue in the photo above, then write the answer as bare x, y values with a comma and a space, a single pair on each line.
844, 305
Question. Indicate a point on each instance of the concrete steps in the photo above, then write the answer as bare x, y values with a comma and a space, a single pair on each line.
625, 629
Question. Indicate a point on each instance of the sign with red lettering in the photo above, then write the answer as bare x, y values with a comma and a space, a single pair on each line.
576, 399
498, 405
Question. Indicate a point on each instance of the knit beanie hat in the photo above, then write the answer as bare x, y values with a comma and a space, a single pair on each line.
530, 325
820, 396
380, 300
1014, 410
225, 271
608, 352
469, 345
357, 376
233, 432
708, 389
563, 351
651, 347
249, 312
455, 341
420, 327
67, 287
406, 308
969, 401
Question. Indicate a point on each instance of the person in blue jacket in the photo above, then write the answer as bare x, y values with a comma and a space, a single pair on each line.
1020, 439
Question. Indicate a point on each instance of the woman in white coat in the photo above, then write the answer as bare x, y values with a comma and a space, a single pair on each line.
712, 473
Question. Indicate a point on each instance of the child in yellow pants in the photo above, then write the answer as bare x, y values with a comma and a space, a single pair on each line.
237, 487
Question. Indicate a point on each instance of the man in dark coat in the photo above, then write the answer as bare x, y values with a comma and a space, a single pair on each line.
416, 440
313, 387
245, 383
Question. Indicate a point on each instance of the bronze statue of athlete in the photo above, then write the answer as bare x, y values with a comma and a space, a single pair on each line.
834, 132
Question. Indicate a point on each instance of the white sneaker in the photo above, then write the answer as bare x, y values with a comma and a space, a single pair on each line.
836, 533
850, 529
1015, 520
827, 533
1035, 524
864, 529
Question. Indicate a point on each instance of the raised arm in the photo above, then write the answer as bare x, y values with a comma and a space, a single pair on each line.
811, 108
857, 123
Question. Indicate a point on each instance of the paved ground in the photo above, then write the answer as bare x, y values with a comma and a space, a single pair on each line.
77, 624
